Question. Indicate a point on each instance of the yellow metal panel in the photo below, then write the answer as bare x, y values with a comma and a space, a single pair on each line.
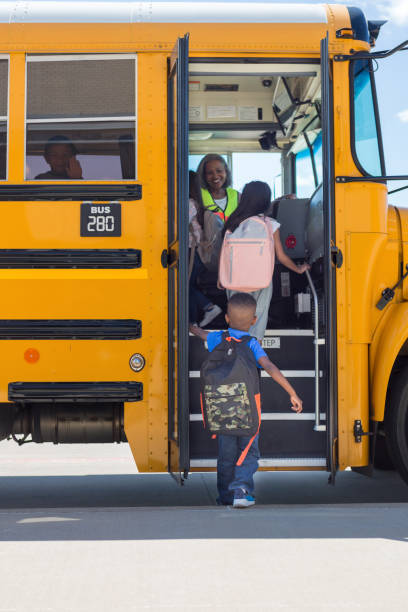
391, 334
56, 225
146, 425
71, 361
161, 37
403, 215
353, 404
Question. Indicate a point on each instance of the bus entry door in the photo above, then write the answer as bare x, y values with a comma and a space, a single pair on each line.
177, 261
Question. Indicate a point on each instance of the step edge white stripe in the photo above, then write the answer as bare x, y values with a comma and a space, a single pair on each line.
274, 416
287, 373
284, 462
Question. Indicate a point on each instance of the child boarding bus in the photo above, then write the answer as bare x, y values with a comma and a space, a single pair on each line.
101, 106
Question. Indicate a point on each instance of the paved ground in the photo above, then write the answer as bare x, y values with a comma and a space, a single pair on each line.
79, 530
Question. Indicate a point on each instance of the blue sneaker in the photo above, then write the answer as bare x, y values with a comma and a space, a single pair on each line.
242, 499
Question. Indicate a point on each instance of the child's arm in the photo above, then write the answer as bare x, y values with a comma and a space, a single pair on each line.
197, 331
276, 374
284, 259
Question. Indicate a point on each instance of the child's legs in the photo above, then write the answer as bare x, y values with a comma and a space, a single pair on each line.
228, 453
197, 300
244, 473
263, 299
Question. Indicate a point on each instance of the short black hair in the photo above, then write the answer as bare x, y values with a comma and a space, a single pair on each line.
59, 139
242, 300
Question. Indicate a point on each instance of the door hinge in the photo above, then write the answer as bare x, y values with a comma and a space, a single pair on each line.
168, 258
164, 258
337, 256
359, 431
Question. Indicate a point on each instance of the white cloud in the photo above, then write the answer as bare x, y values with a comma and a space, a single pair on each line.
397, 10
403, 116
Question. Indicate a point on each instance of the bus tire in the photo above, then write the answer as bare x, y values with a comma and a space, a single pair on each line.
396, 422
382, 459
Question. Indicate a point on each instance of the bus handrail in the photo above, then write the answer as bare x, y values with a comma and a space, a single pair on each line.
317, 426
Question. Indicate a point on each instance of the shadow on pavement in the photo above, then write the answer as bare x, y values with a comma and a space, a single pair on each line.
145, 490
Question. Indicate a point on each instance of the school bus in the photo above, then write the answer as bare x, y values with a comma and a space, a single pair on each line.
94, 250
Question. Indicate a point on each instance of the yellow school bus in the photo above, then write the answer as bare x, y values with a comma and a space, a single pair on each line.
104, 106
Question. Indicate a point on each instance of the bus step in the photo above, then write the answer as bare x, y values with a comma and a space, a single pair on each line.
265, 462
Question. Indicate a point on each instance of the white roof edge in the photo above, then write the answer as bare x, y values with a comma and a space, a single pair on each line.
63, 11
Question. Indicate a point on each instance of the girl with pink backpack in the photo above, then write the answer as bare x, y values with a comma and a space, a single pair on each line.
251, 241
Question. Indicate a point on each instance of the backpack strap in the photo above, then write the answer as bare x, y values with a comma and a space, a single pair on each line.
244, 339
248, 446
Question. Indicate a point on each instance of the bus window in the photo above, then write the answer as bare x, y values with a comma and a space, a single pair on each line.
81, 107
3, 117
317, 152
306, 182
263, 166
364, 128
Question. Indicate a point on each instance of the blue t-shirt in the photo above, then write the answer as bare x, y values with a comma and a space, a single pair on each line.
215, 337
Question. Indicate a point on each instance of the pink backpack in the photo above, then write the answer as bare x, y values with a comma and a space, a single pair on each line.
248, 256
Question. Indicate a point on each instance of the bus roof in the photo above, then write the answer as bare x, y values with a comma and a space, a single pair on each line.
254, 27
160, 12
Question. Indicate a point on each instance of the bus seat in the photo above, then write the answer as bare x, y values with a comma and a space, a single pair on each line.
314, 234
127, 155
292, 214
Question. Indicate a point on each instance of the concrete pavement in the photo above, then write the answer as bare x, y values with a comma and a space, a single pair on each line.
81, 531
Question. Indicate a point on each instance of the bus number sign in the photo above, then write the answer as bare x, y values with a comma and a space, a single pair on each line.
101, 219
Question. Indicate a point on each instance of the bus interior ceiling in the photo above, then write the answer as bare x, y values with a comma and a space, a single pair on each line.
269, 109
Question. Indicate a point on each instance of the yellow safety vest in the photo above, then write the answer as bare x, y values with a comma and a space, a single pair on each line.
232, 203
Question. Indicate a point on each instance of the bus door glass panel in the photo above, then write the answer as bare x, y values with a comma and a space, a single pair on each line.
304, 174
366, 137
305, 181
177, 258
81, 108
3, 117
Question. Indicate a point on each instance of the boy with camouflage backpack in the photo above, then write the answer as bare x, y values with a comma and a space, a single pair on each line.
230, 399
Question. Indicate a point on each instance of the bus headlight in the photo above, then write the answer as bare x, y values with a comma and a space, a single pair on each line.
137, 362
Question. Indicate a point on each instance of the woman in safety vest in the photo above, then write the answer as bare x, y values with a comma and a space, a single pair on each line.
215, 179
218, 202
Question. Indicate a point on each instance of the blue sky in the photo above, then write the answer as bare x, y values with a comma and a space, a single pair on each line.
391, 79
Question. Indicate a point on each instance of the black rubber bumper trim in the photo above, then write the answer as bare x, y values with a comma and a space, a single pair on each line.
75, 192
128, 391
70, 329
70, 258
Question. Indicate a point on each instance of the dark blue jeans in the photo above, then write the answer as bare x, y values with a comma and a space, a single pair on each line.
231, 476
197, 300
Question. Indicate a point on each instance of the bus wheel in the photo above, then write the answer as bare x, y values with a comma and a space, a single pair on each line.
396, 422
382, 459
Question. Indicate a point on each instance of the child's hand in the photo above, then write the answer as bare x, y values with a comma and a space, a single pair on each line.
197, 331
303, 267
297, 404
74, 169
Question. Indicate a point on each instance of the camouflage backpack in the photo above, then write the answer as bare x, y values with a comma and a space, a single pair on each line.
230, 398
